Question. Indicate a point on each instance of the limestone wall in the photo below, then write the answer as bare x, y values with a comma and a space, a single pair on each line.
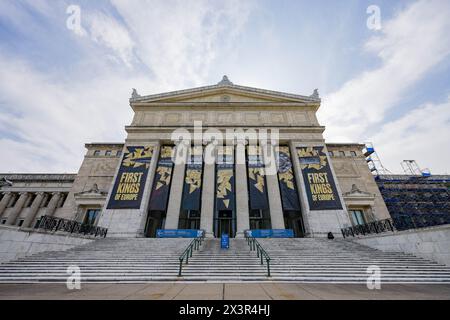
430, 243
96, 169
15, 243
351, 169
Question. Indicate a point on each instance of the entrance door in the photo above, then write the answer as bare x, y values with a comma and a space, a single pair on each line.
294, 221
224, 224
224, 227
189, 219
155, 221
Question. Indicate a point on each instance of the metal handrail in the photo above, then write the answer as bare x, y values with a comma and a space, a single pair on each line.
260, 252
50, 223
397, 223
187, 253
378, 226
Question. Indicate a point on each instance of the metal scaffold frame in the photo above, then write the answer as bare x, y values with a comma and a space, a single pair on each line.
373, 161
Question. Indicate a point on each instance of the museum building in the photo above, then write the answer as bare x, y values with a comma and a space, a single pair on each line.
222, 158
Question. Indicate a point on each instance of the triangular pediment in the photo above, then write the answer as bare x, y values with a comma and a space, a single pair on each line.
223, 92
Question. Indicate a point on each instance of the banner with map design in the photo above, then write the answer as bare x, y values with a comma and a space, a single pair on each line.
162, 180
286, 180
193, 180
225, 179
256, 179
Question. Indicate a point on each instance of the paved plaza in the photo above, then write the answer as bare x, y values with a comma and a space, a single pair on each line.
224, 291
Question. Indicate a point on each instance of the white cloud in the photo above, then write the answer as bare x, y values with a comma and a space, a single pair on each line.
421, 135
107, 31
410, 45
46, 121
46, 117
179, 40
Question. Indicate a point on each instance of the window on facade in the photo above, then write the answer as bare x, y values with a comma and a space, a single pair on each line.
62, 200
357, 217
20, 222
13, 201
91, 216
108, 153
119, 153
46, 200
30, 200
38, 222
96, 153
342, 153
330, 153
4, 221
353, 153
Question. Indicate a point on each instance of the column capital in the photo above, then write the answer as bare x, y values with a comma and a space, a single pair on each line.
213, 143
24, 193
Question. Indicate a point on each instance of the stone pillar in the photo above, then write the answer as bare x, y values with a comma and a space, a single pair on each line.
15, 212
273, 189
242, 211
130, 222
208, 191
51, 208
318, 222
33, 210
300, 188
176, 190
5, 200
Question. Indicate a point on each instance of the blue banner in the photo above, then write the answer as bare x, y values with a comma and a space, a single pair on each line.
256, 179
129, 185
178, 233
225, 188
192, 189
286, 179
319, 182
271, 233
162, 181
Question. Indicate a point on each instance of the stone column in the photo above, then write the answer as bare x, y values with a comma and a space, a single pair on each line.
318, 222
15, 212
300, 188
273, 189
242, 211
5, 200
143, 211
208, 191
51, 208
33, 210
176, 190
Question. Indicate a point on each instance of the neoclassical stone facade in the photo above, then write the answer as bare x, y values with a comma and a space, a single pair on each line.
149, 183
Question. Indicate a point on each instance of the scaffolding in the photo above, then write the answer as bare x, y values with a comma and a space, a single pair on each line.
373, 161
423, 200
412, 167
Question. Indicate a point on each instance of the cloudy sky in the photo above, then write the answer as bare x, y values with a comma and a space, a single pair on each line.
62, 86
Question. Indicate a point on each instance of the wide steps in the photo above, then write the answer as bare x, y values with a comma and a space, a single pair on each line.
299, 260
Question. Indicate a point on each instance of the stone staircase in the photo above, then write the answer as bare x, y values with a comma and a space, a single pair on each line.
301, 260
342, 261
